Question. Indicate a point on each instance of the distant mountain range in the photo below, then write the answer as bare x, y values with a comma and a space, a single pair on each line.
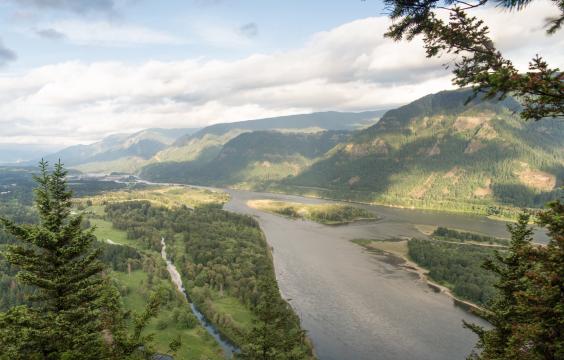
130, 152
119, 152
18, 154
437, 152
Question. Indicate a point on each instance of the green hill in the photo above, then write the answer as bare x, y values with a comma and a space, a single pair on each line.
207, 143
251, 159
437, 152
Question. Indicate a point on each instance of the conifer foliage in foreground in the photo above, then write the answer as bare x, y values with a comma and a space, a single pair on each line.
76, 312
56, 257
528, 313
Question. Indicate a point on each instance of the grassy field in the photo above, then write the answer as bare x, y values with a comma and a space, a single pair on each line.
105, 231
196, 343
329, 214
167, 196
241, 315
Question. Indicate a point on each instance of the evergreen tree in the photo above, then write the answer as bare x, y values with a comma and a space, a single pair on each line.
77, 311
55, 257
528, 313
276, 334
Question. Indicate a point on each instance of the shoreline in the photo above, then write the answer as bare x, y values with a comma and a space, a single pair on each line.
384, 204
318, 197
253, 205
412, 267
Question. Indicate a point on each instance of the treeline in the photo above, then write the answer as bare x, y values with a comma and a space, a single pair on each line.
454, 235
218, 253
457, 266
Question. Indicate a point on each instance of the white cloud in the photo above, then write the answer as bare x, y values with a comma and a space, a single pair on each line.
106, 33
350, 68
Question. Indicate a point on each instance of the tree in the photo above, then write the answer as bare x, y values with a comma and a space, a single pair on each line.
528, 313
77, 312
55, 257
275, 334
477, 61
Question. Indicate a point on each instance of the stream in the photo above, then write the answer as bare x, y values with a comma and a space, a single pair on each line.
228, 348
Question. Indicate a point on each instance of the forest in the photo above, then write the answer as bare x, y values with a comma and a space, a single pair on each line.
328, 214
462, 236
457, 266
222, 258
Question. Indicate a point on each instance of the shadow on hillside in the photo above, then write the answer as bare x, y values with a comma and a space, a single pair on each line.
523, 196
377, 172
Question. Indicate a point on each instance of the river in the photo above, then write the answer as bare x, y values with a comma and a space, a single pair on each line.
357, 305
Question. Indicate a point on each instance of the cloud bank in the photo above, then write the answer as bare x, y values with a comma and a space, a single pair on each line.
350, 68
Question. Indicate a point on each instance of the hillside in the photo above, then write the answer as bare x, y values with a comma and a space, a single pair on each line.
438, 152
130, 152
251, 159
205, 144
435, 153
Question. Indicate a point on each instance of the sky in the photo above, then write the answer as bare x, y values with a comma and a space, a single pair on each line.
74, 71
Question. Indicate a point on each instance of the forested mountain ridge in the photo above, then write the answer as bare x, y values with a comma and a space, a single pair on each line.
329, 120
438, 152
251, 159
205, 144
130, 152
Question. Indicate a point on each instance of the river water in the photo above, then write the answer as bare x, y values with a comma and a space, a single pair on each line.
360, 306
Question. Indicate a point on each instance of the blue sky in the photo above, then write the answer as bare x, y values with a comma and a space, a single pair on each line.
221, 29
74, 71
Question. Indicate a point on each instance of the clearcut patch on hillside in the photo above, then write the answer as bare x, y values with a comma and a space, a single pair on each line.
536, 179
464, 123
484, 191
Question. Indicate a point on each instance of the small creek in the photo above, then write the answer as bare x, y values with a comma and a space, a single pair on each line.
228, 348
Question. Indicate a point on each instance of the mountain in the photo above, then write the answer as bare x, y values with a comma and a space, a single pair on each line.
119, 152
130, 152
437, 152
205, 144
251, 158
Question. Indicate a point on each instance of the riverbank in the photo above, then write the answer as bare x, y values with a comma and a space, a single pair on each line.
500, 212
399, 250
227, 346
354, 305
